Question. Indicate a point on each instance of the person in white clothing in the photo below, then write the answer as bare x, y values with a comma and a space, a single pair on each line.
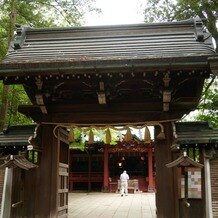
124, 177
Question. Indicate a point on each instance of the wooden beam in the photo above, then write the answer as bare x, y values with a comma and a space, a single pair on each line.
40, 102
118, 117
103, 116
185, 104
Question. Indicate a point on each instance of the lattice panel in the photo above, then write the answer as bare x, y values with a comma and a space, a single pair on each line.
63, 190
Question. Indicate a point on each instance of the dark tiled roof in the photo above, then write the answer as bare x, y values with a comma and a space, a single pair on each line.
184, 161
13, 161
16, 135
195, 133
94, 45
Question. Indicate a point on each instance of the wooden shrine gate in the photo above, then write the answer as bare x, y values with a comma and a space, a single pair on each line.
113, 75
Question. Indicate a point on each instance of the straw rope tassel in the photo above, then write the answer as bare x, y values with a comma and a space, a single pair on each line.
91, 137
108, 136
147, 136
128, 136
71, 135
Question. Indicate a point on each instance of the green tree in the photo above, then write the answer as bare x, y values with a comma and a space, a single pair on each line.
159, 11
40, 13
207, 10
6, 88
208, 106
175, 10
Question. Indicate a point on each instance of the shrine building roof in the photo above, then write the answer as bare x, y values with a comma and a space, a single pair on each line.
111, 74
196, 133
16, 135
65, 49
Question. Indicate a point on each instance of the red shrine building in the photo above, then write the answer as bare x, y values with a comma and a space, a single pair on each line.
99, 167
102, 78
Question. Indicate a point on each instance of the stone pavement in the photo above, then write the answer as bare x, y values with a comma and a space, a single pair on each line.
108, 205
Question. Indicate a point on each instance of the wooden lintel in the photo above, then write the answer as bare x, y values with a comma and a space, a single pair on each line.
118, 117
102, 115
120, 107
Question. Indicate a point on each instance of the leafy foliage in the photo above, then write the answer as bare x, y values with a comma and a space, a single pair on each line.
208, 107
82, 142
41, 13
171, 10
159, 11
77, 143
16, 97
207, 10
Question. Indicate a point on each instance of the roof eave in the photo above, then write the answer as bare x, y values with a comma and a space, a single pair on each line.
64, 66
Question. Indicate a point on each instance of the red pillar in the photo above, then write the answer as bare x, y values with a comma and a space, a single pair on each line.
150, 171
106, 171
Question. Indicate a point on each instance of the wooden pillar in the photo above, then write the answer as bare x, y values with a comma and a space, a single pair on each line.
150, 171
106, 171
166, 199
46, 205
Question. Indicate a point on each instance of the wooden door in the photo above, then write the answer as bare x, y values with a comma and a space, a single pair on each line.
63, 174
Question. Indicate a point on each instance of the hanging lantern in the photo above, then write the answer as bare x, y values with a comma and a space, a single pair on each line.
71, 135
147, 136
128, 136
91, 137
108, 136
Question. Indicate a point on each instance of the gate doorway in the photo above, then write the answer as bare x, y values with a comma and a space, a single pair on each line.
99, 166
